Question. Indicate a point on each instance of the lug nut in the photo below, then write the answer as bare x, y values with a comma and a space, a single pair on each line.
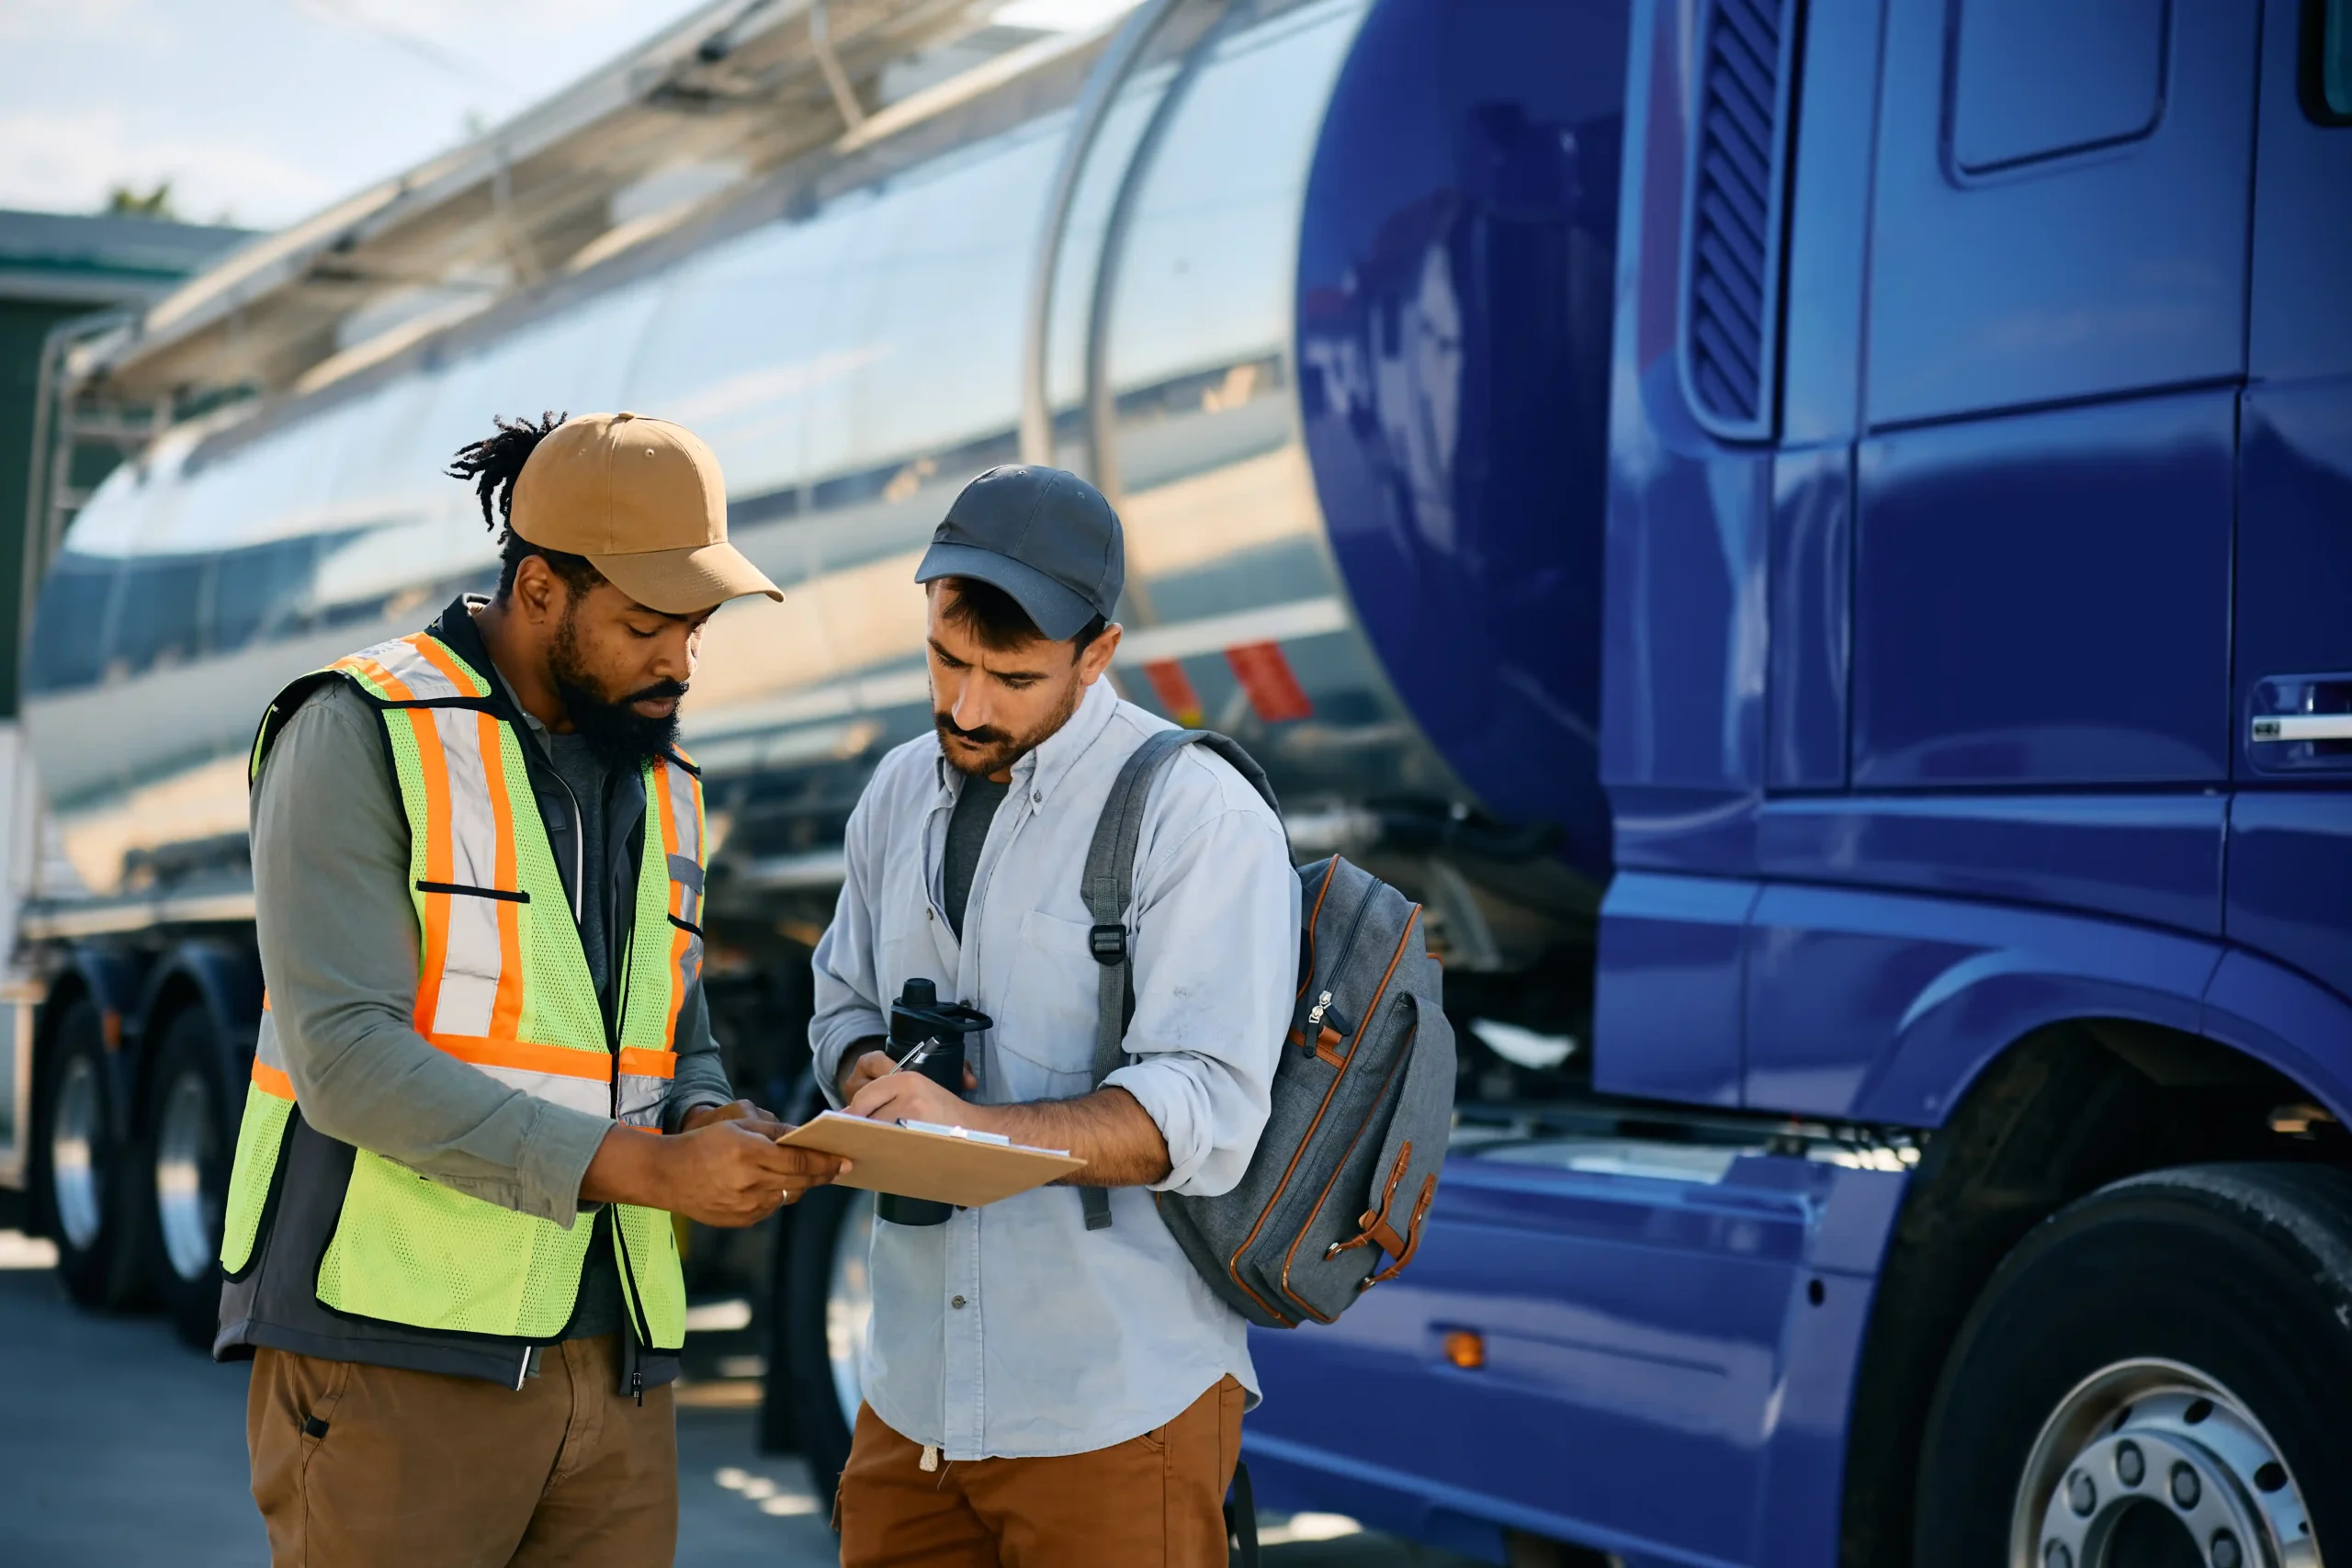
2055, 1555
2081, 1495
2186, 1487
2225, 1552
2131, 1467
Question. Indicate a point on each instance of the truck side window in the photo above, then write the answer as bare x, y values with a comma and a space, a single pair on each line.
2327, 60
2031, 80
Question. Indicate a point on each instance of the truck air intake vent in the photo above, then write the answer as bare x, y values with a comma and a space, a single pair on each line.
1731, 263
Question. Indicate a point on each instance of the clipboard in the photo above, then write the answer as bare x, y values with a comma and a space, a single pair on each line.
945, 1164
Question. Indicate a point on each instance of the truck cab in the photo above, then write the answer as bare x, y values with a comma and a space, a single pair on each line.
1979, 451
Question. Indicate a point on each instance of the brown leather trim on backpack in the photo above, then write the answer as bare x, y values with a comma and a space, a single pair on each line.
1233, 1264
1412, 1235
1325, 1052
1371, 1012
1378, 1228
1377, 1224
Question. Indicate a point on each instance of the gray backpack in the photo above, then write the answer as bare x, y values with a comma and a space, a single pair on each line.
1362, 1097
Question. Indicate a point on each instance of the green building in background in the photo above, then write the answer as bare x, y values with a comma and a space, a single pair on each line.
56, 268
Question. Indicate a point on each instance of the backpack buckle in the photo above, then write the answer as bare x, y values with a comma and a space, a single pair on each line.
1109, 944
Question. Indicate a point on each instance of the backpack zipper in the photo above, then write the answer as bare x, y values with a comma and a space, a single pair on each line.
1347, 947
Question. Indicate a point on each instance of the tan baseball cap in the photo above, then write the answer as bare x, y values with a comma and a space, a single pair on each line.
643, 500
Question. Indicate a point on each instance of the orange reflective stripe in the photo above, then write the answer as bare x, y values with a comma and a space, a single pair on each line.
506, 1010
669, 813
442, 659
638, 1062
679, 937
701, 828
434, 767
524, 1056
271, 1081
394, 687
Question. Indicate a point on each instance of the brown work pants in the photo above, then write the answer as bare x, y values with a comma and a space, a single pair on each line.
371, 1467
1157, 1501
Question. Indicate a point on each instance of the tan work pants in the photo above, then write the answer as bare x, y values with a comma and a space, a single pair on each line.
370, 1467
1157, 1501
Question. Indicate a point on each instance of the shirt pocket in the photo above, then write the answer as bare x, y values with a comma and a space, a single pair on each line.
1045, 1012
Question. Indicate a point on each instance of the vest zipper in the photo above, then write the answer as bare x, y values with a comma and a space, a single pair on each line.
612, 1038
579, 848
636, 1297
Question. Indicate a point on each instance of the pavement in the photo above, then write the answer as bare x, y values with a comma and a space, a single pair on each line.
121, 1448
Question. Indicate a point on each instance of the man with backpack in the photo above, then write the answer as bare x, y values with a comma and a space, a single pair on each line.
1051, 1380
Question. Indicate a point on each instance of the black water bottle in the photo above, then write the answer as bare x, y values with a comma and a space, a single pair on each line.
921, 1021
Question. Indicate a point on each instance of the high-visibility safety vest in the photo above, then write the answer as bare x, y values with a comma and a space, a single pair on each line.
502, 985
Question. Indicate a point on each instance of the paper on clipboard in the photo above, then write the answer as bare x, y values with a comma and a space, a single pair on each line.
945, 1164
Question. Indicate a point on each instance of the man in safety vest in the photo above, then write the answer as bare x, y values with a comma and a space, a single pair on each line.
485, 1079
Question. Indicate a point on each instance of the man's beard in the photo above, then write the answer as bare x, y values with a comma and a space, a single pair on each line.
1000, 749
621, 739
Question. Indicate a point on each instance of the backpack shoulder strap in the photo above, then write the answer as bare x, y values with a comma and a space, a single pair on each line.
1110, 888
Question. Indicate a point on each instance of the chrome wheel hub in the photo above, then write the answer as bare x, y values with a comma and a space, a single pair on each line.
186, 1145
2150, 1462
849, 1302
74, 1138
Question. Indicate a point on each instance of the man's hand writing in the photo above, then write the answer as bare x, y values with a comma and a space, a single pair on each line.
911, 1096
1109, 1129
864, 1066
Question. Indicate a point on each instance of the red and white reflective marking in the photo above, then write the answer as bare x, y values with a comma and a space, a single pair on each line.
1266, 675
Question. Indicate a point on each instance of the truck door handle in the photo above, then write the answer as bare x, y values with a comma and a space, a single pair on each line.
2301, 724
2302, 727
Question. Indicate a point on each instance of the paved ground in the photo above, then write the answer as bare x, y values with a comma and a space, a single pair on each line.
121, 1448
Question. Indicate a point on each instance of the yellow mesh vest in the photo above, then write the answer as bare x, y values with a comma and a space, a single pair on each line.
502, 985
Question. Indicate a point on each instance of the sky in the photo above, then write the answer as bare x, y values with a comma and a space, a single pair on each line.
260, 112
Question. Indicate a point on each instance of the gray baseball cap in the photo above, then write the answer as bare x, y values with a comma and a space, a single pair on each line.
1043, 535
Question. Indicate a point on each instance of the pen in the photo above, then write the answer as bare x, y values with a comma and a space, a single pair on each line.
913, 1058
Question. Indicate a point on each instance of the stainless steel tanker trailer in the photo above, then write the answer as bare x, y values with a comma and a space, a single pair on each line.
1339, 358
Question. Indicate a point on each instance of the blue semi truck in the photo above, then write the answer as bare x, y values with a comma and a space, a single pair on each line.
1815, 537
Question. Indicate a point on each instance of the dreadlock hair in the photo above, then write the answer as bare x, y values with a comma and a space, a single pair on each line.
996, 619
493, 464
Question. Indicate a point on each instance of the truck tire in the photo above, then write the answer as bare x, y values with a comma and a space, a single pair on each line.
87, 1197
826, 1302
2156, 1375
184, 1155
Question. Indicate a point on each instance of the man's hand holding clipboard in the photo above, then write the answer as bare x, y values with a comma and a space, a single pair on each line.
940, 1162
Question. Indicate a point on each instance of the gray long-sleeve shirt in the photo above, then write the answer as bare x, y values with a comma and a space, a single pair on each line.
338, 939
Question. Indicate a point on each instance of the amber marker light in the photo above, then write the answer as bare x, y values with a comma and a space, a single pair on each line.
1465, 1348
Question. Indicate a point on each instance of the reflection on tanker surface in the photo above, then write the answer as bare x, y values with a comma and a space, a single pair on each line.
1305, 380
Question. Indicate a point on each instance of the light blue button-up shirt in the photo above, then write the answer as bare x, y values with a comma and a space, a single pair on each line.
1013, 1330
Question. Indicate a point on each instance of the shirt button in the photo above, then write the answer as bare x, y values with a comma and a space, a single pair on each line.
1036, 797
956, 1303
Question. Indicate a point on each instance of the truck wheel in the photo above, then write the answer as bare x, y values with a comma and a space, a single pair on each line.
2155, 1377
185, 1155
828, 1300
88, 1200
